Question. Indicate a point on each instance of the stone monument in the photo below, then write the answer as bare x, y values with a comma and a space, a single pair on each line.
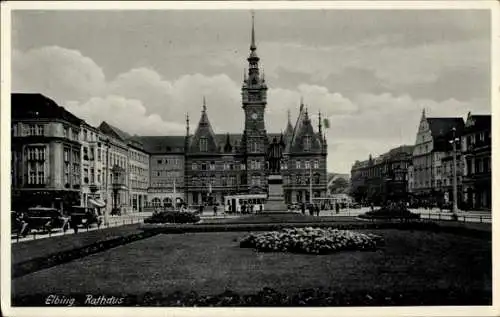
275, 199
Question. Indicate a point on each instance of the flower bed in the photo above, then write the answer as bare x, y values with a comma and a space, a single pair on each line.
390, 213
311, 240
173, 217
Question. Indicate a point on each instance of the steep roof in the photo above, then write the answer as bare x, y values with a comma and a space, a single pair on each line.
108, 129
302, 128
442, 126
477, 123
442, 132
162, 144
34, 105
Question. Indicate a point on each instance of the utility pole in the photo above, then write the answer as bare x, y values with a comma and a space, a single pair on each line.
310, 184
454, 141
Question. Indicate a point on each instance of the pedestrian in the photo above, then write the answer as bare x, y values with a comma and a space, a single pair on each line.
317, 210
215, 209
303, 208
337, 208
260, 208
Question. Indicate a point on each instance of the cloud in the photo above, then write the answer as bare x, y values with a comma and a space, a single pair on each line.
393, 65
127, 114
142, 101
57, 71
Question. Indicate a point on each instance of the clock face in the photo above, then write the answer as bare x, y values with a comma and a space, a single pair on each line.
254, 115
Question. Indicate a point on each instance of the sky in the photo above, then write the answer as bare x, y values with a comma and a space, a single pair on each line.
370, 72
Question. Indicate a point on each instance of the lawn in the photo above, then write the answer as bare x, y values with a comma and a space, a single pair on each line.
29, 250
210, 263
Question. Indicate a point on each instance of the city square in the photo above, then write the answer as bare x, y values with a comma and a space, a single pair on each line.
273, 194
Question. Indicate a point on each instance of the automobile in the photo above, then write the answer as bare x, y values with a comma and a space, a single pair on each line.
18, 223
84, 216
45, 219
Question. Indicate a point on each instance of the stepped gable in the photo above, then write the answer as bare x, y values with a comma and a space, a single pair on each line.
204, 130
304, 128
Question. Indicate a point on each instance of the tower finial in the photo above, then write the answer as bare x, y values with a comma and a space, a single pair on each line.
289, 116
319, 121
187, 124
252, 45
204, 105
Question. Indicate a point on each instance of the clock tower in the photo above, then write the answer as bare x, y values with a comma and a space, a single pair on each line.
254, 99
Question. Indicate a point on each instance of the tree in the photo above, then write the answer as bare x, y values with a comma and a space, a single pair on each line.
339, 186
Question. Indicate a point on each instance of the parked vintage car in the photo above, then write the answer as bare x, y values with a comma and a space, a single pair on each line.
84, 216
45, 219
18, 223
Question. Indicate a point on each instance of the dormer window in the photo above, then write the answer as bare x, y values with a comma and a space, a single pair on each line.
307, 143
203, 145
254, 146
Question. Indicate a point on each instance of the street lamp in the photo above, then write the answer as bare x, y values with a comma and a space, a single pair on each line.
454, 141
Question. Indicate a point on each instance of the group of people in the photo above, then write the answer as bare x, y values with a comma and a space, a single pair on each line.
312, 208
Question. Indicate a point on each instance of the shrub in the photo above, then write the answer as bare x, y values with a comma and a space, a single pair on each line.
391, 212
310, 240
173, 217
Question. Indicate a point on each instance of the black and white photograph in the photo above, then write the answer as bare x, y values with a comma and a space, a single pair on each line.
249, 154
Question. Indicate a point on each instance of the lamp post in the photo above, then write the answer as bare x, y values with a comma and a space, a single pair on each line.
454, 141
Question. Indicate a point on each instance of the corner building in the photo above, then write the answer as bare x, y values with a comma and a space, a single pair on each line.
217, 165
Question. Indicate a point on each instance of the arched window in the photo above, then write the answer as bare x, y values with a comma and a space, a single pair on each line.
167, 202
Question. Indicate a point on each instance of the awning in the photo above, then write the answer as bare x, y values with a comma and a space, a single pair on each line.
97, 202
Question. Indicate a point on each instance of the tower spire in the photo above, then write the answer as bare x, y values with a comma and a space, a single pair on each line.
319, 122
204, 109
187, 124
253, 47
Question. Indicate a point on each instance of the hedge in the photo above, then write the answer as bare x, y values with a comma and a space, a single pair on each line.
414, 225
173, 217
44, 262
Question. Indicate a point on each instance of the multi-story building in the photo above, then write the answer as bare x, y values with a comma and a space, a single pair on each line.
166, 169
431, 147
476, 158
46, 153
115, 179
221, 164
359, 175
127, 173
383, 178
138, 166
90, 165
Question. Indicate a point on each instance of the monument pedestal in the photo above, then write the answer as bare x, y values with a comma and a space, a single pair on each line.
276, 199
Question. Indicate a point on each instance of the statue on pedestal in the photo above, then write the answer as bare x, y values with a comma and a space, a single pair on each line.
275, 155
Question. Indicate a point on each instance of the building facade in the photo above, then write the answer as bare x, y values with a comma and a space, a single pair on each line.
115, 163
166, 169
217, 165
130, 173
476, 162
431, 154
383, 178
46, 153
138, 167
